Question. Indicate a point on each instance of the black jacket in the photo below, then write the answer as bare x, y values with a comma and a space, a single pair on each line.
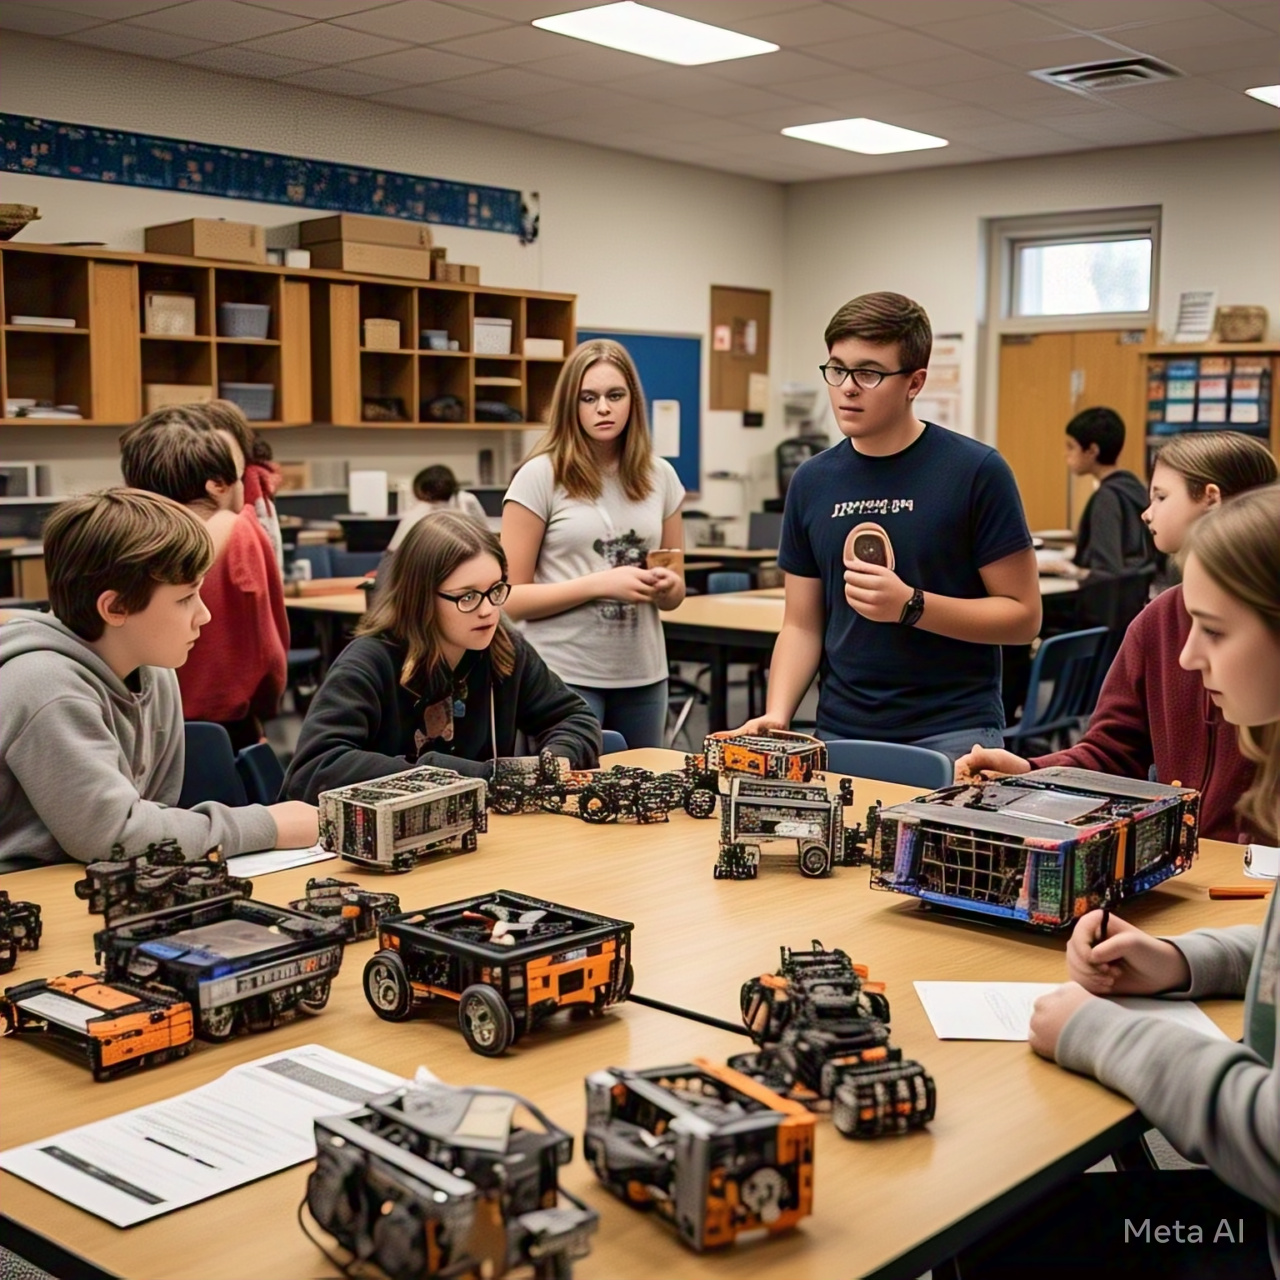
1113, 539
365, 724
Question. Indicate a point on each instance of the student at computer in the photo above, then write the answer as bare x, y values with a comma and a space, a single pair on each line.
1217, 1101
435, 488
435, 676
1152, 712
905, 625
91, 738
578, 523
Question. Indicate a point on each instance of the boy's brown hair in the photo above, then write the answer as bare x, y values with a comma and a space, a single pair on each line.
883, 318
167, 454
121, 540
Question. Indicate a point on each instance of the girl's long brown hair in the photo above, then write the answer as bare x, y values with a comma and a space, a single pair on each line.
407, 607
1238, 544
566, 444
1232, 460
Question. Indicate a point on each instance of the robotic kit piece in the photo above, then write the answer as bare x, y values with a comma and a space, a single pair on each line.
432, 1180
159, 877
359, 910
112, 1027
823, 1039
509, 961
391, 823
242, 965
20, 929
702, 1145
1038, 849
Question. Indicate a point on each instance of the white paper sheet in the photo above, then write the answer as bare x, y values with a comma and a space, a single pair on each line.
269, 860
1002, 1010
253, 1121
666, 428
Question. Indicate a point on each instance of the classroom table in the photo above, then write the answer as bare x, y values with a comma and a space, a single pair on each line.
1008, 1127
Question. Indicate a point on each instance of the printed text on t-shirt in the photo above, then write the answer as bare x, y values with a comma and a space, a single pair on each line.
873, 506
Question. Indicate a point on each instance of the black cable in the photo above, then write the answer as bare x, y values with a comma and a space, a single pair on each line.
736, 1027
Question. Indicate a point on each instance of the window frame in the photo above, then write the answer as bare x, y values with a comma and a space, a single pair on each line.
1017, 244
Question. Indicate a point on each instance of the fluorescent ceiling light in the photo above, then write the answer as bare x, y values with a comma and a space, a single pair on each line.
1269, 93
636, 28
870, 137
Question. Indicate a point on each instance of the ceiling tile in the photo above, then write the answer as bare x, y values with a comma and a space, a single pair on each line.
103, 10
588, 102
513, 45
956, 68
992, 31
916, 13
1036, 55
707, 130
669, 82
878, 97
339, 80
1266, 14
952, 117
1167, 38
591, 64
509, 82
776, 68
420, 21
1151, 99
516, 114
247, 62
1123, 129
127, 38
524, 10
1242, 78
317, 10
222, 21
1101, 15
733, 100
438, 99
810, 24
322, 42
887, 49
720, 14
420, 66
1263, 48
41, 21
998, 92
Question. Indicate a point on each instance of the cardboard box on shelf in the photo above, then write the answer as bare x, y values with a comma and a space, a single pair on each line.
470, 275
372, 259
169, 313
361, 229
544, 348
294, 475
209, 238
492, 336
446, 272
161, 395
381, 335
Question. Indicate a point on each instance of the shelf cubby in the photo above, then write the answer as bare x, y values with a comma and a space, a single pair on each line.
40, 366
386, 387
194, 282
48, 285
448, 310
438, 378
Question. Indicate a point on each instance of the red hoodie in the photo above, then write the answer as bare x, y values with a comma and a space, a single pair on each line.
238, 665
1151, 711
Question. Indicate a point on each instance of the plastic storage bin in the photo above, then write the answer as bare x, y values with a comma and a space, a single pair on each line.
492, 336
243, 319
257, 400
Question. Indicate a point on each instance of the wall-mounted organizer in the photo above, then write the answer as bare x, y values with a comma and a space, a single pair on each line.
1221, 387
109, 336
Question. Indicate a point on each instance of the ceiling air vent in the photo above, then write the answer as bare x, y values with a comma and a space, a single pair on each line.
1095, 77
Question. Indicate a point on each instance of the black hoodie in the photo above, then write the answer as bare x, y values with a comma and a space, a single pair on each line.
1113, 539
365, 724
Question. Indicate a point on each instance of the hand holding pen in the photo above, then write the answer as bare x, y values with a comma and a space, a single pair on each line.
1109, 956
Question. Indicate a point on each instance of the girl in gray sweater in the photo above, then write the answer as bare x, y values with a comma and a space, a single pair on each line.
1218, 1102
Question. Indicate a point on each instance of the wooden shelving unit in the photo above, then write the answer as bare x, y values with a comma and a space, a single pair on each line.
314, 356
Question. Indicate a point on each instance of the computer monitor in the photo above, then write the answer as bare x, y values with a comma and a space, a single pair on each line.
764, 529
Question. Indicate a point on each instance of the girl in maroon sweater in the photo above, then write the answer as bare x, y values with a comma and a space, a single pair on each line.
1150, 711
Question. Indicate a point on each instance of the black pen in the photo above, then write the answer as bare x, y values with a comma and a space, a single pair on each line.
1102, 928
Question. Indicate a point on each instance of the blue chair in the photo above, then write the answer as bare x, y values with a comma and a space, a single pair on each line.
320, 558
260, 772
1062, 690
613, 741
891, 762
720, 583
210, 770
354, 564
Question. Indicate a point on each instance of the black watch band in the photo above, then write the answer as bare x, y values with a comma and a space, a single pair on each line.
912, 610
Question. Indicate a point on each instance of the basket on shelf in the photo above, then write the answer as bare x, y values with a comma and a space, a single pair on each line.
13, 217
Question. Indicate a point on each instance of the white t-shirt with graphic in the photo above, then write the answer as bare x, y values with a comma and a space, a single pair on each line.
603, 644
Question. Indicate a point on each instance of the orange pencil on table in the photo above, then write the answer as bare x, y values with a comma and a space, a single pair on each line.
1240, 891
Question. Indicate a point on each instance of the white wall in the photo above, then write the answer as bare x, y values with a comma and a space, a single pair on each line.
921, 233
639, 241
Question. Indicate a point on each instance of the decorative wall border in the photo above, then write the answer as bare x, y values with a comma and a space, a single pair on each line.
56, 149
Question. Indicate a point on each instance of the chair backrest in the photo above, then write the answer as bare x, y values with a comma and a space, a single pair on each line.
891, 762
209, 772
1068, 663
354, 564
613, 740
731, 580
261, 773
320, 559
764, 529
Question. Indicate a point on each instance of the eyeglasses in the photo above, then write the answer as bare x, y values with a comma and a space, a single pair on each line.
469, 601
867, 379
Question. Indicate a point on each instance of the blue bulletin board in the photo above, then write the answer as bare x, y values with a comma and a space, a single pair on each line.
670, 368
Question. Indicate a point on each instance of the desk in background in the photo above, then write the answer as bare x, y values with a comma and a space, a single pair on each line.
1009, 1125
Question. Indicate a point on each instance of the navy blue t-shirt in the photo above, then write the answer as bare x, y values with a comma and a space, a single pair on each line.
950, 506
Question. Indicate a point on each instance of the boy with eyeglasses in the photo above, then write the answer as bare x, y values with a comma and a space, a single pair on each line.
907, 556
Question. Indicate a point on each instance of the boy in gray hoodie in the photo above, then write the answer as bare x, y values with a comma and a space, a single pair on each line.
91, 741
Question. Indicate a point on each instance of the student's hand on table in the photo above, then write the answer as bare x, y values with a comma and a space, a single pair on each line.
1128, 962
875, 592
628, 583
762, 724
988, 762
297, 824
1049, 1015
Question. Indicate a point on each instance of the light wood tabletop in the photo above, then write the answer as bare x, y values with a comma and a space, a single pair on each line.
889, 1207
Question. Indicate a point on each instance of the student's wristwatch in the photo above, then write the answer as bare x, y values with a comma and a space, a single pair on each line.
912, 610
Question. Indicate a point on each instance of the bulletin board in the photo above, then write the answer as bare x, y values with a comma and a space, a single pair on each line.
739, 344
670, 368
